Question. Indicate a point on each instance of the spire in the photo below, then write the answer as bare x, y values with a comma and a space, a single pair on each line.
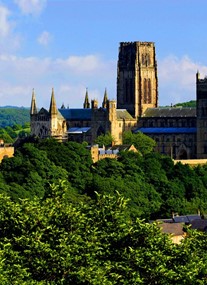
105, 99
86, 103
33, 109
53, 108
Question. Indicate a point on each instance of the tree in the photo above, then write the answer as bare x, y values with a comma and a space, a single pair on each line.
143, 143
73, 157
29, 172
104, 139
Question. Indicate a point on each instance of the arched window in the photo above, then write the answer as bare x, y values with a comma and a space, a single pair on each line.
147, 91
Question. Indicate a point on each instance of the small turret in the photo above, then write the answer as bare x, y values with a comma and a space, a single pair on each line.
94, 104
33, 109
111, 107
86, 103
105, 99
63, 106
197, 76
53, 107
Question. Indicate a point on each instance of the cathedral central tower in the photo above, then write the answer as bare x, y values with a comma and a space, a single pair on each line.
137, 83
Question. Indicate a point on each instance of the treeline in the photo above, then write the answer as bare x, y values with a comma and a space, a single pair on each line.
154, 186
191, 103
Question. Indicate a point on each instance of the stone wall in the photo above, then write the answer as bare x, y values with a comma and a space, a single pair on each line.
6, 151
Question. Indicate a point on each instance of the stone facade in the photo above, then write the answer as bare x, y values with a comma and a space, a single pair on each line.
6, 150
98, 153
179, 132
137, 84
79, 125
173, 129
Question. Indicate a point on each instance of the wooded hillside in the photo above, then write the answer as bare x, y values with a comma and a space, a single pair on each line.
65, 220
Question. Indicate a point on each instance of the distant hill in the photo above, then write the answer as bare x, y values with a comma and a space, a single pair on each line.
10, 116
191, 104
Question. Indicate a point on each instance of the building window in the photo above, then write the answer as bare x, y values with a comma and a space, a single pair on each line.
147, 91
151, 124
162, 124
146, 59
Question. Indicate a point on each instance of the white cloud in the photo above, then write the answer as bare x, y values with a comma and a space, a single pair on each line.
9, 41
82, 64
44, 39
32, 7
5, 25
177, 79
20, 75
71, 76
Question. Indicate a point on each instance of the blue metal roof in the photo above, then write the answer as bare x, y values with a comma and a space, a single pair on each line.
78, 130
166, 130
76, 114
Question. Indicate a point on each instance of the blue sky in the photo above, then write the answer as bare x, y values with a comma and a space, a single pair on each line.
71, 45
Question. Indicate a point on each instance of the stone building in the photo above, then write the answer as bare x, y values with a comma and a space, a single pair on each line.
82, 124
98, 153
179, 132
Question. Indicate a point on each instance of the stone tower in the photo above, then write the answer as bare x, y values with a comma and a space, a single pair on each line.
201, 94
137, 83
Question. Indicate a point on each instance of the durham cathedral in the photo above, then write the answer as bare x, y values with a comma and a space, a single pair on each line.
179, 132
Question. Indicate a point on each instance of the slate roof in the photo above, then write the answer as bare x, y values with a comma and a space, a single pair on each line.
86, 114
200, 225
76, 114
120, 147
166, 130
170, 112
43, 111
123, 114
186, 219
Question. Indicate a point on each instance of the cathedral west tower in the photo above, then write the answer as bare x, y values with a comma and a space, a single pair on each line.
137, 83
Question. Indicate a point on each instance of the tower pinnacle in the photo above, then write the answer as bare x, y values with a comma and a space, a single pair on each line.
33, 109
53, 107
105, 99
86, 103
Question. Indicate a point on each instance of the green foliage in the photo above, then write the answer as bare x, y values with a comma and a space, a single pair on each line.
191, 104
28, 172
104, 140
54, 241
143, 143
154, 186
9, 134
71, 156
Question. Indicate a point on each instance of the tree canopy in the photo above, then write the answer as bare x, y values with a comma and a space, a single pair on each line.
54, 241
